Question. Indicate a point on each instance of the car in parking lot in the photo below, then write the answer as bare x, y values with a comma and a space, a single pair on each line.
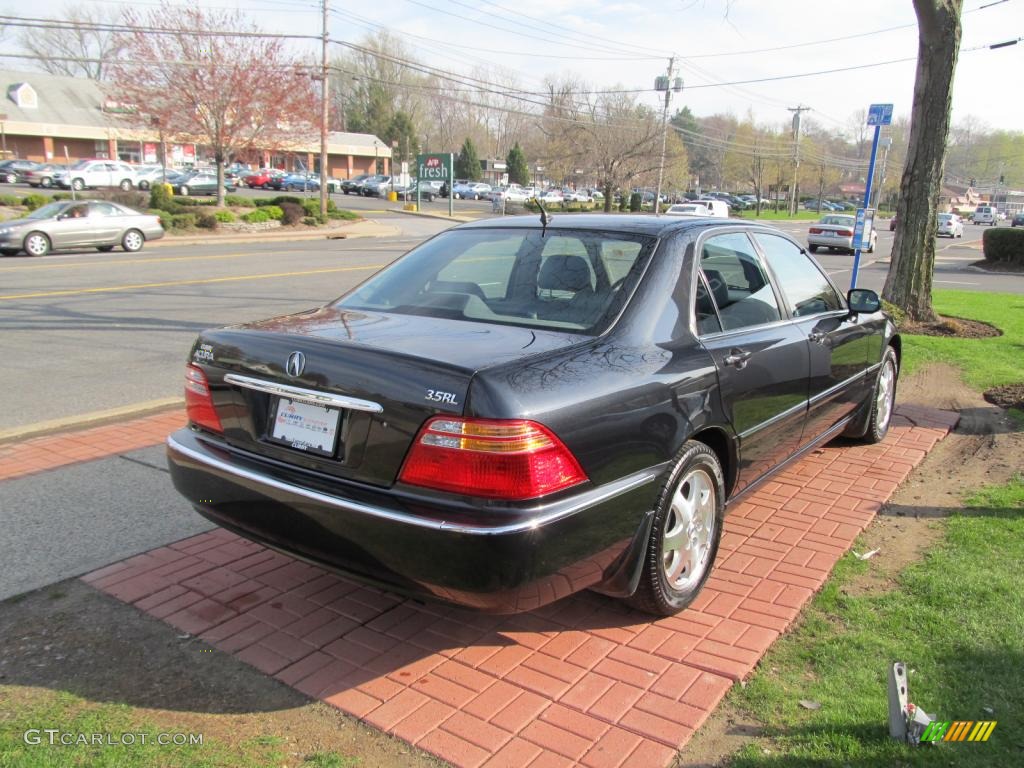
263, 178
1018, 220
12, 171
503, 416
353, 185
835, 232
949, 225
199, 183
986, 214
376, 186
688, 209
94, 174
78, 224
41, 175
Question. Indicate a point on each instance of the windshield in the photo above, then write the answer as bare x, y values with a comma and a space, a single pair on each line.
944, 217
48, 211
569, 280
842, 221
80, 165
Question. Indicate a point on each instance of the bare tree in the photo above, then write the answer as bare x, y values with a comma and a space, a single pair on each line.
230, 93
909, 283
81, 47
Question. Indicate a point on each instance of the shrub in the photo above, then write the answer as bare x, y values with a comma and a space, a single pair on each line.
273, 211
237, 201
160, 196
206, 221
34, 201
310, 221
341, 213
183, 220
256, 217
293, 213
623, 203
189, 202
635, 202
1005, 245
61, 195
225, 217
10, 200
286, 199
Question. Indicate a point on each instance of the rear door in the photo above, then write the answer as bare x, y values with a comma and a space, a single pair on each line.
838, 343
761, 357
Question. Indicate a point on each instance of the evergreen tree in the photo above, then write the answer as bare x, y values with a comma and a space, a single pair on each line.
518, 170
467, 164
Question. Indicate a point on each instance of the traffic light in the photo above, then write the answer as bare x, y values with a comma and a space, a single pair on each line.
974, 182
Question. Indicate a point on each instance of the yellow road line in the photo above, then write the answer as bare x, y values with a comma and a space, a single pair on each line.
114, 263
169, 283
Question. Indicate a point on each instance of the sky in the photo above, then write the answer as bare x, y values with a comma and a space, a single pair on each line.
610, 43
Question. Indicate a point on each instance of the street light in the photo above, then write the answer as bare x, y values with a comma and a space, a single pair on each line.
668, 85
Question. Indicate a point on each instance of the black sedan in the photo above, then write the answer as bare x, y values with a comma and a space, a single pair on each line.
198, 184
513, 412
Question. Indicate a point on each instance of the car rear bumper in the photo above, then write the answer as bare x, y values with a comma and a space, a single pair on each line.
501, 559
831, 242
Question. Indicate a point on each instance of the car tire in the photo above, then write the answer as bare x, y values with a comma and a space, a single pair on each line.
10, 178
183, 190
690, 510
143, 185
125, 185
882, 400
36, 244
133, 241
812, 248
104, 248
46, 183
9, 251
77, 184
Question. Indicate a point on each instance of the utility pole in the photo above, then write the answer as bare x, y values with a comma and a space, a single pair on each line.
324, 114
667, 85
795, 193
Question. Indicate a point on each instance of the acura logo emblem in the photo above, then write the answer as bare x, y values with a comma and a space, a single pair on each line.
296, 364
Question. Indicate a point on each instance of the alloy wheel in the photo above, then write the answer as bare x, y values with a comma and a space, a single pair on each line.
884, 395
689, 531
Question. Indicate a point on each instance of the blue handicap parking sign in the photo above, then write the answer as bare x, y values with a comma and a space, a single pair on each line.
880, 114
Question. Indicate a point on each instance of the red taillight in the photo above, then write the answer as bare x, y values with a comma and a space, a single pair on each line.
844, 232
815, 231
198, 402
512, 460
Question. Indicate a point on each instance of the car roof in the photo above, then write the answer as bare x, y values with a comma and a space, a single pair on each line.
636, 224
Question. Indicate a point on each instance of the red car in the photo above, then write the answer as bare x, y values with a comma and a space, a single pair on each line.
262, 178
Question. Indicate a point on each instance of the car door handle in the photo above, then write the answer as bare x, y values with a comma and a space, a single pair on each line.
737, 357
817, 337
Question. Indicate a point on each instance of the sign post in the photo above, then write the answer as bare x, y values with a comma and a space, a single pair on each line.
436, 167
878, 115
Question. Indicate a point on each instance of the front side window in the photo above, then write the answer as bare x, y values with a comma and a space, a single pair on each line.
737, 283
805, 287
571, 280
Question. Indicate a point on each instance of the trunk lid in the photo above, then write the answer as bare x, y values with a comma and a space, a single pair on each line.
395, 371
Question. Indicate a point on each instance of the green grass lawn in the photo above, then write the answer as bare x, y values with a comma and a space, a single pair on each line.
956, 618
985, 363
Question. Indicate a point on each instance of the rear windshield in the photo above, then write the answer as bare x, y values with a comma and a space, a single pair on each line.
567, 280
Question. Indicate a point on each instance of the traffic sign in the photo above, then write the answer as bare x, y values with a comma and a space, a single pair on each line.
880, 114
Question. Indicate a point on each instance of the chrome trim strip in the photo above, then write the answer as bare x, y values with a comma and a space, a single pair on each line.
801, 406
304, 395
833, 389
610, 491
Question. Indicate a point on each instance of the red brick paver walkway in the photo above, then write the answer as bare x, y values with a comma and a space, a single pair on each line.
582, 681
39, 454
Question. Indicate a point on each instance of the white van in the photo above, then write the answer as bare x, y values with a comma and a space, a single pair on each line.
715, 208
985, 214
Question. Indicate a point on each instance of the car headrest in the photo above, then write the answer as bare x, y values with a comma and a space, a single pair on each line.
564, 273
719, 288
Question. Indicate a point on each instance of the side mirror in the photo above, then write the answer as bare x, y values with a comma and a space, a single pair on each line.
863, 300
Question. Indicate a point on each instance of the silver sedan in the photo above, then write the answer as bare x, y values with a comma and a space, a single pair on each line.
836, 233
78, 224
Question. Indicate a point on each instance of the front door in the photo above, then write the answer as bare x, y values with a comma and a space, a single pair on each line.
838, 344
761, 357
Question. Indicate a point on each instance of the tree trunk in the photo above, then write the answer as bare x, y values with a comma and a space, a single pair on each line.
219, 159
607, 197
909, 283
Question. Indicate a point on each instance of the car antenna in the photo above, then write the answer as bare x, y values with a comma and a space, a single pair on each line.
544, 218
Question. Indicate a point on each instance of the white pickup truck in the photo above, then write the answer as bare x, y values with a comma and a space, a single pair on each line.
96, 173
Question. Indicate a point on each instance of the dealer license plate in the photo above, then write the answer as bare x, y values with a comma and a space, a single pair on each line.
305, 427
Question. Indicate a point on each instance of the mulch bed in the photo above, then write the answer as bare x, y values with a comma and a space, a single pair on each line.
999, 266
1007, 396
951, 327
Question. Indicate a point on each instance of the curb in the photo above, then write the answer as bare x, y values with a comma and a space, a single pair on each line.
337, 233
94, 419
980, 271
459, 219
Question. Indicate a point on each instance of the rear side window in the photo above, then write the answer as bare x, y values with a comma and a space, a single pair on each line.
737, 283
805, 287
573, 280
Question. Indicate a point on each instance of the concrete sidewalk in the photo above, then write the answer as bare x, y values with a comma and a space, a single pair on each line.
350, 231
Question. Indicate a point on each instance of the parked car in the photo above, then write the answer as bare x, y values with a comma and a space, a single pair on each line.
452, 427
985, 214
688, 209
11, 171
94, 174
835, 232
148, 175
350, 186
551, 197
78, 224
41, 175
377, 186
262, 179
1018, 220
460, 189
510, 194
949, 224
199, 184
576, 196
428, 190
298, 182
